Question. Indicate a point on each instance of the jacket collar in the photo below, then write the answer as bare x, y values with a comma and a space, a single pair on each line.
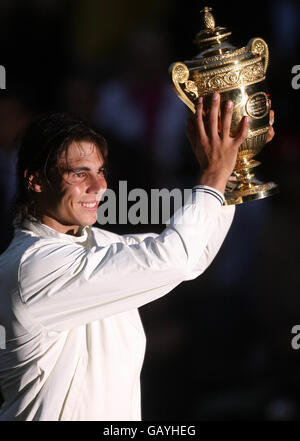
38, 228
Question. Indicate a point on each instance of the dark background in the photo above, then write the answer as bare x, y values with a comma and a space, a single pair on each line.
219, 347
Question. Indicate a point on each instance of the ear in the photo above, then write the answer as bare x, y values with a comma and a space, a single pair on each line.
34, 181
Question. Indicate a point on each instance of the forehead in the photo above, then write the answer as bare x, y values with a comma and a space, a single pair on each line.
82, 152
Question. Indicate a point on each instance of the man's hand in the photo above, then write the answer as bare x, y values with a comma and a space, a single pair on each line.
270, 136
216, 153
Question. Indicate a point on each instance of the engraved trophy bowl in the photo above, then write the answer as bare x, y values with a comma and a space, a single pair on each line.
237, 74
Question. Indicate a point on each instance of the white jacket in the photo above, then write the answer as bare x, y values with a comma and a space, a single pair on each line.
74, 339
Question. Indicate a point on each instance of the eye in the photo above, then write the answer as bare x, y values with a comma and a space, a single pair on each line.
102, 171
80, 175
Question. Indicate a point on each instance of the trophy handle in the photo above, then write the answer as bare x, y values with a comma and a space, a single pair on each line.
258, 46
180, 75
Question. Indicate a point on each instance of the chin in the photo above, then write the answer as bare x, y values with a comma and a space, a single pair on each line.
88, 220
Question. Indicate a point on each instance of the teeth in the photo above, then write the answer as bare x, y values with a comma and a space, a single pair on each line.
92, 205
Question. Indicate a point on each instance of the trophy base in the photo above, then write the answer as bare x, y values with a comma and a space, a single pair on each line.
256, 190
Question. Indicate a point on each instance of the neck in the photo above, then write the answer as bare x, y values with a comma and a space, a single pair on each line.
60, 228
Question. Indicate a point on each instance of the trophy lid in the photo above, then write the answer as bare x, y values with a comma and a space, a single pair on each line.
212, 39
213, 43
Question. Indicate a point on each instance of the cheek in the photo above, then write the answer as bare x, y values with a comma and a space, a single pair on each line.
76, 191
72, 194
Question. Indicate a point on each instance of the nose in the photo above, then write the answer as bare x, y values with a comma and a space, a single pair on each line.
96, 184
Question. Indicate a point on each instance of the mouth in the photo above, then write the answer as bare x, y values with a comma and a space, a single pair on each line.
90, 206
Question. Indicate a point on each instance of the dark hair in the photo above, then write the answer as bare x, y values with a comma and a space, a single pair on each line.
44, 141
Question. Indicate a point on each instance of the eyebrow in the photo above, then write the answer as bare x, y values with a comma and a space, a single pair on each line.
77, 169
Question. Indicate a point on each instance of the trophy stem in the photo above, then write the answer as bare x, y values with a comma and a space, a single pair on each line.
247, 187
242, 172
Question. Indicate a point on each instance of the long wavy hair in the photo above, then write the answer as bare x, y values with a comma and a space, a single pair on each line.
45, 140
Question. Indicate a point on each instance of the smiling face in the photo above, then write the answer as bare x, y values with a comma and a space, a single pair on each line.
79, 188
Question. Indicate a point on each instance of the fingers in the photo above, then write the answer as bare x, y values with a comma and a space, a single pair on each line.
270, 134
227, 119
242, 132
271, 117
199, 119
214, 115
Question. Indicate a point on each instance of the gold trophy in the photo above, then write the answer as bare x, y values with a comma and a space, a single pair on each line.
237, 74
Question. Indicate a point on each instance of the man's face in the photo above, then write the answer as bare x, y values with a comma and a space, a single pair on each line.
80, 189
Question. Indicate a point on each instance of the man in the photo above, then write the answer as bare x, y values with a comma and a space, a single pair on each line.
69, 292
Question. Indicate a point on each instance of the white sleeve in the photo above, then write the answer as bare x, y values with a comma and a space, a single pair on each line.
65, 285
222, 226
